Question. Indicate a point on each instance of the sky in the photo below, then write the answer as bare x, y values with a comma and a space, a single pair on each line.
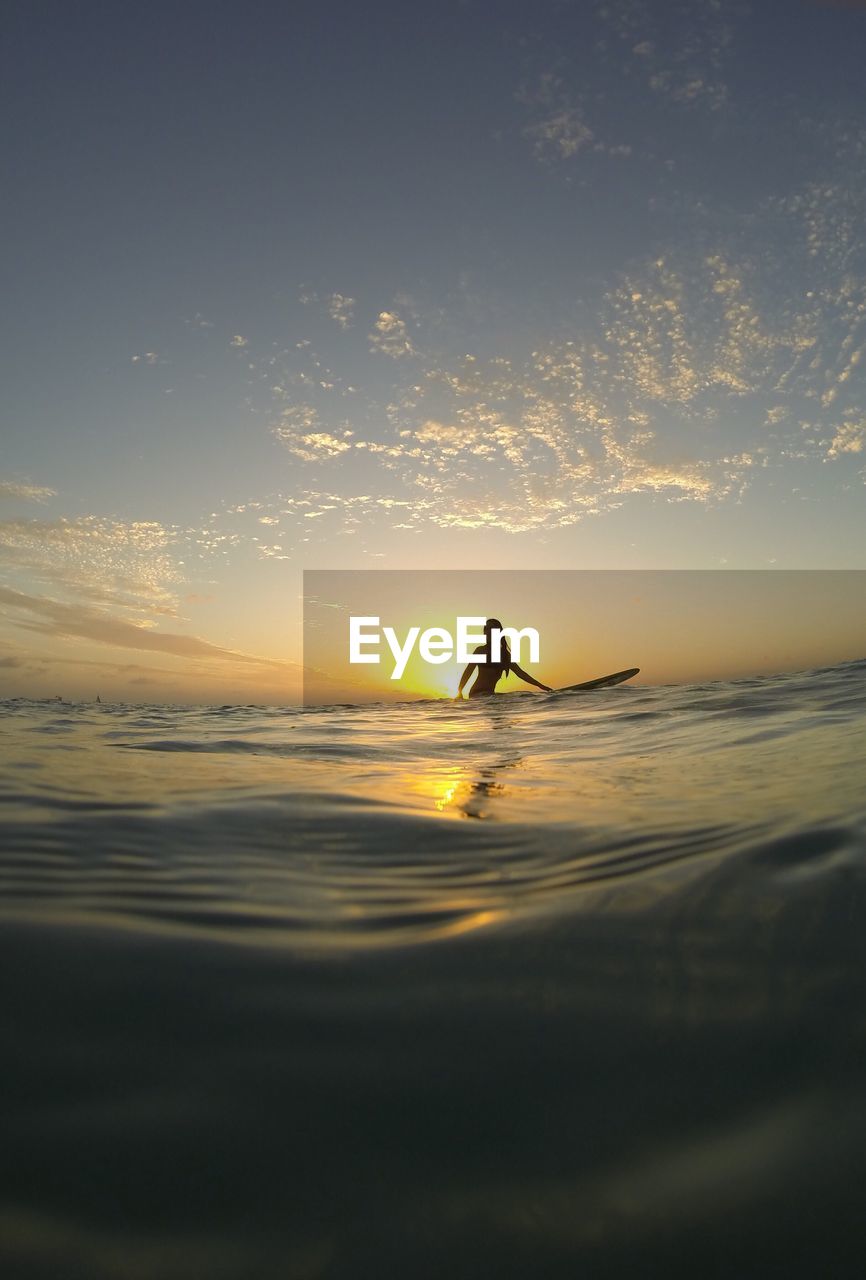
471, 285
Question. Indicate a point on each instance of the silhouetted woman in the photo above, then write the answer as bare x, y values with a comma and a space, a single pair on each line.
489, 673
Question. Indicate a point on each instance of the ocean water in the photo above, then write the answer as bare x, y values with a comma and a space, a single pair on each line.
531, 986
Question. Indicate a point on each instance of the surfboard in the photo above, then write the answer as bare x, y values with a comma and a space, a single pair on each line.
601, 683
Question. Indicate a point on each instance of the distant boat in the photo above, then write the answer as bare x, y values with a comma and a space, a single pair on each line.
98, 699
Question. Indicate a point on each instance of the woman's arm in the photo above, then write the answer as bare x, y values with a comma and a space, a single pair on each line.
464, 679
524, 675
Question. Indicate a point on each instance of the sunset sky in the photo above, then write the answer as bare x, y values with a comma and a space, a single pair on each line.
470, 285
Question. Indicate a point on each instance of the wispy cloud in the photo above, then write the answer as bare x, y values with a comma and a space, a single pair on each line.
560, 125
560, 130
26, 492
643, 57
44, 616
128, 564
679, 51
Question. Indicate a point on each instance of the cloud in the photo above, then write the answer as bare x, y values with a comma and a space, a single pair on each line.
299, 429
389, 336
849, 438
679, 51
631, 62
547, 442
692, 372
562, 130
721, 337
127, 563
24, 491
559, 129
340, 309
338, 306
49, 617
105, 581
564, 133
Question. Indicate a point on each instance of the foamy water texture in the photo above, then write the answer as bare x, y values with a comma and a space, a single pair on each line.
532, 986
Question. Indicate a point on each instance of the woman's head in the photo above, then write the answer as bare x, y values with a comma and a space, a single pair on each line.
491, 625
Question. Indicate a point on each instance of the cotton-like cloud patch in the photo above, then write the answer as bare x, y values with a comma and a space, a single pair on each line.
390, 337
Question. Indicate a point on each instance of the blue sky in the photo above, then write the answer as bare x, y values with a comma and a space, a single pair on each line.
472, 285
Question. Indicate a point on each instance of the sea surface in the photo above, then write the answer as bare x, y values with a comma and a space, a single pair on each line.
531, 986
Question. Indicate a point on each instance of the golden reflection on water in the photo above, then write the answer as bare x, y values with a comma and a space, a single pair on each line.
449, 918
450, 791
462, 791
470, 923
